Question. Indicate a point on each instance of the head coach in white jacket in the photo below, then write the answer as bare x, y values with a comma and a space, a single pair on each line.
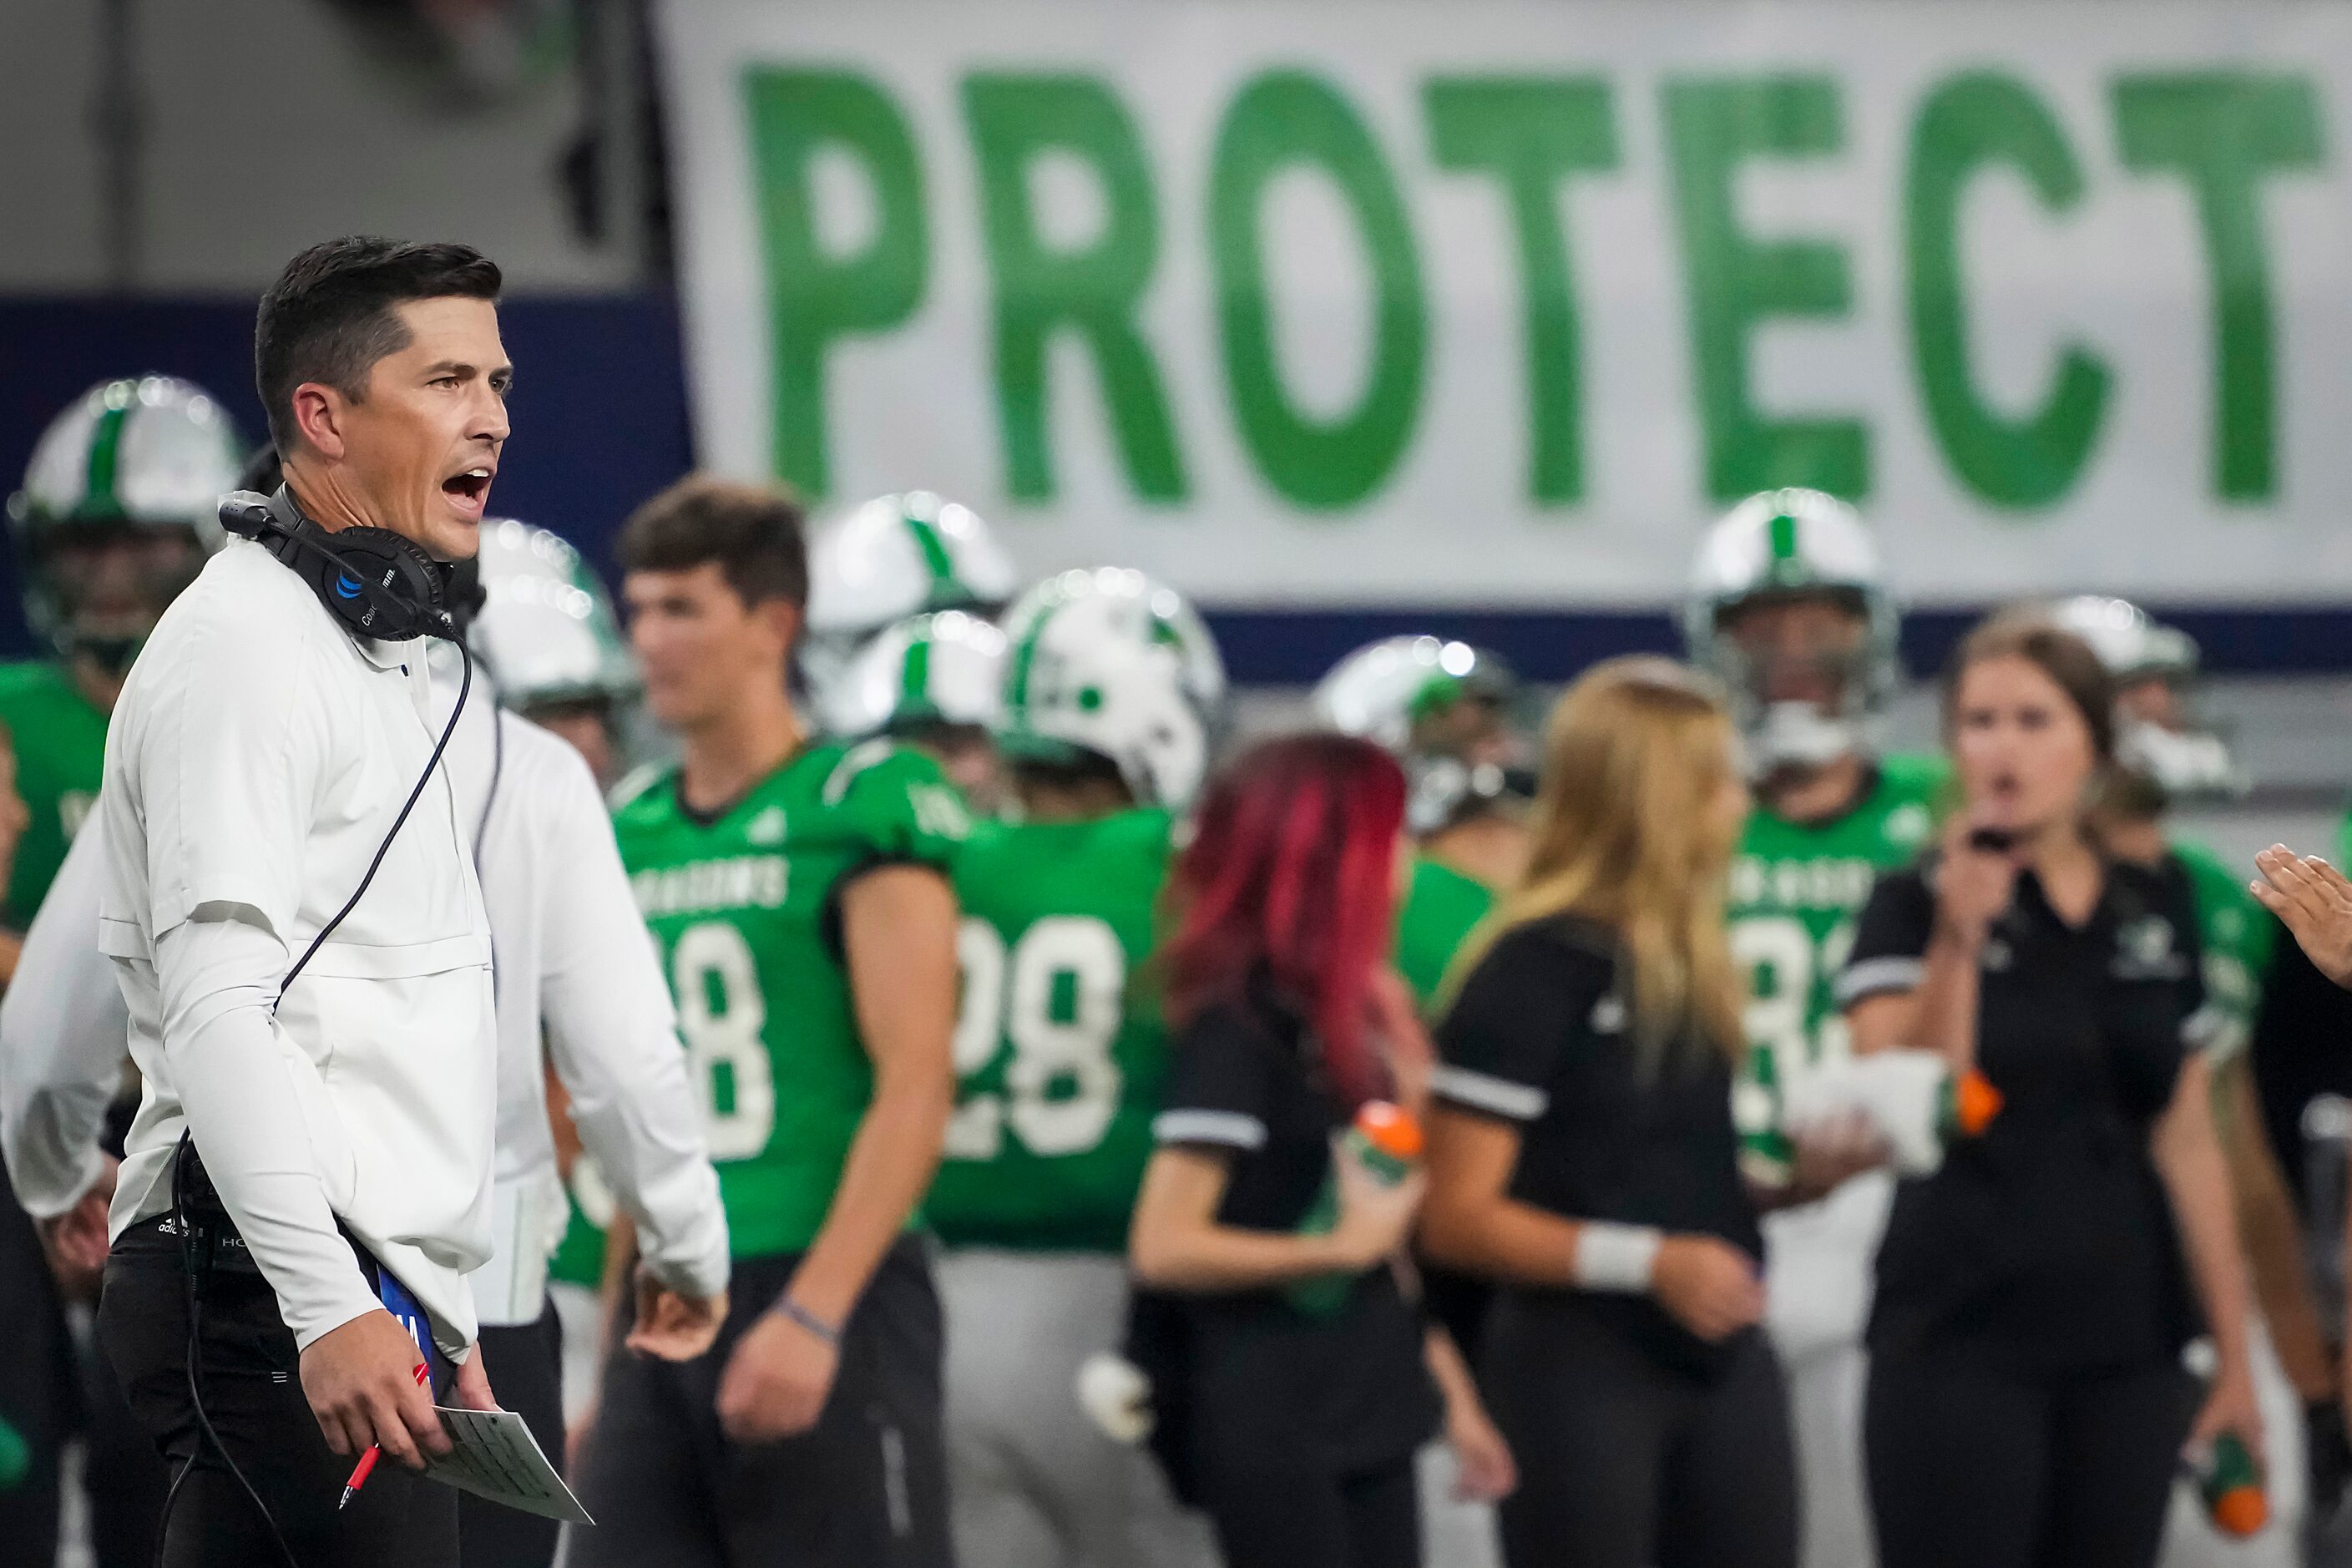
575, 974
291, 904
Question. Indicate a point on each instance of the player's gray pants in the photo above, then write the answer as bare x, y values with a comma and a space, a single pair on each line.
2190, 1538
1825, 1395
1818, 1263
1033, 1483
1454, 1534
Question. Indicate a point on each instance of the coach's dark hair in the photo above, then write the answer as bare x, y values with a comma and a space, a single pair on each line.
2065, 659
753, 533
330, 317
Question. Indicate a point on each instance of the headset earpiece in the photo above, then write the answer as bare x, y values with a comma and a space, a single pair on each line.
375, 583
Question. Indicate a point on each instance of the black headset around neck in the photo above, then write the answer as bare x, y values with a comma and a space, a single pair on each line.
375, 583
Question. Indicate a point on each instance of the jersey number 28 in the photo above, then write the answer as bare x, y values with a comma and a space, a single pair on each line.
1055, 997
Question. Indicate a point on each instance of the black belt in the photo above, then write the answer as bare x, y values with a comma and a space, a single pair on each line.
214, 1241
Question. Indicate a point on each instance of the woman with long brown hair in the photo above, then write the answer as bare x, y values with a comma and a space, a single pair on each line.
1583, 1153
1305, 1395
2026, 1401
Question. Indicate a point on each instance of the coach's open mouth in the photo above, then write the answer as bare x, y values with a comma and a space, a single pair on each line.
469, 490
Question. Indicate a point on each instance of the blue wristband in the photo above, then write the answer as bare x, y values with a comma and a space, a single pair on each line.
792, 1311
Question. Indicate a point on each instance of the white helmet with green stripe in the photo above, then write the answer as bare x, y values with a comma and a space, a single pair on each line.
896, 556
935, 669
2177, 756
1810, 705
546, 633
1449, 711
1111, 664
142, 454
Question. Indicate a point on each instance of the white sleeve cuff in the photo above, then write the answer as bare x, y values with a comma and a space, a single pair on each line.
1483, 1091
1874, 976
1229, 1128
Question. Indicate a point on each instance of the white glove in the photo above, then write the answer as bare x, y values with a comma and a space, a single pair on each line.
1901, 1093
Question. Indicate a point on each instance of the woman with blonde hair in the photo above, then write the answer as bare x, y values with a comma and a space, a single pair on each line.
1583, 1153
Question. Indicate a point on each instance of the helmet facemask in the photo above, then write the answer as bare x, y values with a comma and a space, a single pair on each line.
1456, 716
1804, 674
1466, 754
2166, 748
98, 589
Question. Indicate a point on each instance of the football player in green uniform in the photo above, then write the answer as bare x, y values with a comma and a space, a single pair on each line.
1453, 715
934, 681
1111, 696
119, 509
1450, 714
799, 897
2165, 758
1789, 609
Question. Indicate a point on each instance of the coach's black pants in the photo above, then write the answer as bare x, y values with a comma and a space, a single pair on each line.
1974, 1465
866, 1487
524, 1363
1626, 1462
253, 1392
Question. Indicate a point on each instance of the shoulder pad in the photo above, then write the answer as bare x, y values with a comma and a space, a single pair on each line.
636, 783
857, 759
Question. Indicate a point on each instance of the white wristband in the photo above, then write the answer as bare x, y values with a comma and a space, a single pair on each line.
1619, 1257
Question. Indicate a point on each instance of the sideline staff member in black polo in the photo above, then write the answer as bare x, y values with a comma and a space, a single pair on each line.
1583, 1153
2027, 1402
260, 762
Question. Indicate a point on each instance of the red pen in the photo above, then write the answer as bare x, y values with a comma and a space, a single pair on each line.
366, 1467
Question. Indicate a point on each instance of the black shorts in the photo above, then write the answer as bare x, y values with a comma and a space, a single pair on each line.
866, 1487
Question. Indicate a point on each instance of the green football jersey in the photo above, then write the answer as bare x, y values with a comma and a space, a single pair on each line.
1795, 891
2237, 934
60, 742
1441, 909
1060, 1049
743, 914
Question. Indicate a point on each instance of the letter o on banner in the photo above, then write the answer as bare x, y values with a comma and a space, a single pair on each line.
1279, 121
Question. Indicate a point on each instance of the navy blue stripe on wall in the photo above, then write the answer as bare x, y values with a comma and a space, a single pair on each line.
600, 402
1296, 647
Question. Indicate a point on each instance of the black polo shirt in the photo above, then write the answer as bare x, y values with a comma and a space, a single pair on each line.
2050, 1239
1541, 1038
1268, 1381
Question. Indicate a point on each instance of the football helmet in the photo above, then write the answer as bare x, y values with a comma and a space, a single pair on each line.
1111, 663
1783, 545
546, 632
141, 460
942, 668
896, 556
1408, 694
2181, 757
